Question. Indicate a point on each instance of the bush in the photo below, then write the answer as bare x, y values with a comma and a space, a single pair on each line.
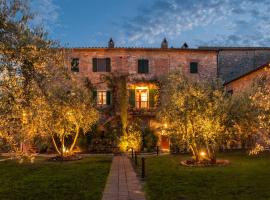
149, 140
132, 139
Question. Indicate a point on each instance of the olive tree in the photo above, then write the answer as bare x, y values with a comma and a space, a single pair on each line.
71, 112
24, 56
260, 97
196, 112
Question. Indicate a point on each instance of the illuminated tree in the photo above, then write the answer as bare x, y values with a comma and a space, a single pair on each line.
196, 112
71, 112
260, 97
25, 54
38, 95
131, 139
242, 120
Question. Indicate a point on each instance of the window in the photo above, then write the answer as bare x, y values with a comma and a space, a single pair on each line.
230, 92
101, 64
103, 98
142, 98
75, 64
193, 67
143, 66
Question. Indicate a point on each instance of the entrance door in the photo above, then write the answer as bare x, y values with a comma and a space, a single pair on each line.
141, 98
164, 142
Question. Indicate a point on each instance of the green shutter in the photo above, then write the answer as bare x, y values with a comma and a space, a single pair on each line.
140, 66
95, 95
75, 65
108, 65
193, 67
132, 97
94, 64
153, 97
143, 66
146, 66
108, 98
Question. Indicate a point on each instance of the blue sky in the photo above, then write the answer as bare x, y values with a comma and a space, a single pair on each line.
146, 22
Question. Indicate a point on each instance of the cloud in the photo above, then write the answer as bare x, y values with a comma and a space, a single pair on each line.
46, 13
223, 22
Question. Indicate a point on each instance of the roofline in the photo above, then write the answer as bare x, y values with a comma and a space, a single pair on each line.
217, 48
138, 48
267, 65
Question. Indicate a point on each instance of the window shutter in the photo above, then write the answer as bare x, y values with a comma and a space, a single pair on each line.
108, 98
153, 97
143, 66
140, 66
95, 95
132, 97
146, 66
94, 64
108, 65
75, 64
193, 67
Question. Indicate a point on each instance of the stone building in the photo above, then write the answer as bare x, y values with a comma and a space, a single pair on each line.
234, 62
144, 67
246, 80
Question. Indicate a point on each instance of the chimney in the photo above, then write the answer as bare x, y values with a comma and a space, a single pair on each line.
111, 43
185, 46
164, 44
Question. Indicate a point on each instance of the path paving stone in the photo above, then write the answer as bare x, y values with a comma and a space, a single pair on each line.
122, 183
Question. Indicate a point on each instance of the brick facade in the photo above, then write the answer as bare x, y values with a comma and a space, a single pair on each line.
161, 62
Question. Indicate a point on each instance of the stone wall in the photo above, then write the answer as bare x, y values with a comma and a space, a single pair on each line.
233, 63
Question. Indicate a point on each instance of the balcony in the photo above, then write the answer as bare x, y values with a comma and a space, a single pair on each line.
150, 112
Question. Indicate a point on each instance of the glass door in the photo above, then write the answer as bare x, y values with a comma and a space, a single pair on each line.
142, 98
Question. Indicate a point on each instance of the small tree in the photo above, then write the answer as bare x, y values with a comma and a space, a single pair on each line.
196, 111
242, 120
131, 139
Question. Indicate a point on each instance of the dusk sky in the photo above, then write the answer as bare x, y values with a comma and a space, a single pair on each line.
146, 22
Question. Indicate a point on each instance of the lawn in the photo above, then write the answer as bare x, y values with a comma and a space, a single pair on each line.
246, 178
43, 180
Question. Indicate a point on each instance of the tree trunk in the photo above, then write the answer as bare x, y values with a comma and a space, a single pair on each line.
75, 139
55, 145
63, 146
195, 152
213, 155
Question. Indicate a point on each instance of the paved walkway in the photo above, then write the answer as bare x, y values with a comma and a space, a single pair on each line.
122, 183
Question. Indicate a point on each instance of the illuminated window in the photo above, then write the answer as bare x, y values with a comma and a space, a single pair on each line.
101, 97
142, 98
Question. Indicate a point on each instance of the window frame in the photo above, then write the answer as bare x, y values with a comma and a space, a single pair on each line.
96, 65
139, 103
143, 66
103, 101
75, 68
193, 70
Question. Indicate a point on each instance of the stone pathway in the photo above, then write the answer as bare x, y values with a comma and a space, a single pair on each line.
122, 183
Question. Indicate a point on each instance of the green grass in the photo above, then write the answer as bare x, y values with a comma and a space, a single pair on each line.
43, 180
246, 178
